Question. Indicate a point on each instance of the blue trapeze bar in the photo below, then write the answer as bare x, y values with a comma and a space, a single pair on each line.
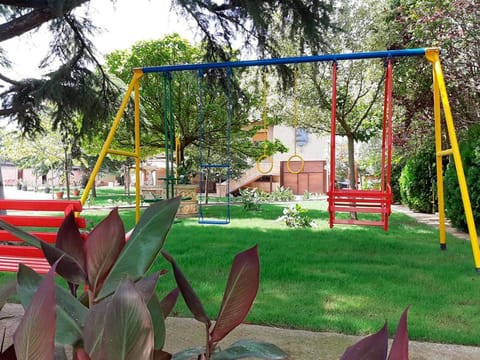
287, 60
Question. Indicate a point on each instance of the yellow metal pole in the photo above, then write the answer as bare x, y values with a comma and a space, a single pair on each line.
433, 55
137, 149
439, 157
103, 152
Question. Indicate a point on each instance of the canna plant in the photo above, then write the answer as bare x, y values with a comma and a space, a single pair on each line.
111, 310
375, 347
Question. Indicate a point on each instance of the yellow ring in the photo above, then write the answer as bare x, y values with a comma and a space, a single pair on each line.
263, 157
301, 166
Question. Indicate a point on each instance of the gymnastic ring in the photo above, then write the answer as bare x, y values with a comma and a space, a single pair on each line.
295, 156
261, 158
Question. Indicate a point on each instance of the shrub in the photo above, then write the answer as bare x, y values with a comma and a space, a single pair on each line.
295, 216
470, 153
417, 181
250, 199
397, 165
282, 194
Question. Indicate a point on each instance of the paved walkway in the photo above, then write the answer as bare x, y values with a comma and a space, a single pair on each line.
11, 192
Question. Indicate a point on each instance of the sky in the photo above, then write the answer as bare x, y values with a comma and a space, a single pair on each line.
124, 23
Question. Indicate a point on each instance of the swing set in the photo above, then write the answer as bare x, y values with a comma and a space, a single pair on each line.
340, 200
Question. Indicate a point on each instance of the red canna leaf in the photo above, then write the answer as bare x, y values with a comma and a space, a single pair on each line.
146, 286
94, 328
103, 245
68, 267
399, 349
9, 354
241, 290
161, 355
169, 301
70, 240
35, 335
189, 295
373, 347
82, 355
128, 332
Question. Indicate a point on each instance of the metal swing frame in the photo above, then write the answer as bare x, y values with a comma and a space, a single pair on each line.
441, 107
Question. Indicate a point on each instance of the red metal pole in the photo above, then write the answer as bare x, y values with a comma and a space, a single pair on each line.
333, 133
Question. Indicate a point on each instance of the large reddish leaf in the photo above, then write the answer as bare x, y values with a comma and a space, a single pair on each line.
399, 349
169, 301
191, 299
144, 245
146, 286
9, 354
128, 326
35, 335
103, 245
82, 355
373, 347
94, 328
241, 290
70, 240
161, 355
69, 268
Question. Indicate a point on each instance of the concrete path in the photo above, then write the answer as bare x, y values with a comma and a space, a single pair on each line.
11, 192
183, 333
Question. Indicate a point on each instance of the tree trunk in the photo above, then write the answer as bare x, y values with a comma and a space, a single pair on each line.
351, 162
352, 179
66, 173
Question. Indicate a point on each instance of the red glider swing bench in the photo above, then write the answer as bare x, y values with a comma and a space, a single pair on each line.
364, 201
41, 218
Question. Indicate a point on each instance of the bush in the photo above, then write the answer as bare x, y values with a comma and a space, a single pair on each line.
250, 199
295, 216
397, 166
282, 194
417, 181
470, 153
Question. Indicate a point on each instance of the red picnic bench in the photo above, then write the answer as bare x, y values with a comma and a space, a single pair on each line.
41, 218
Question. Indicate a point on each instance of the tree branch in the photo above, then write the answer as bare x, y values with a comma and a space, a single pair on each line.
24, 23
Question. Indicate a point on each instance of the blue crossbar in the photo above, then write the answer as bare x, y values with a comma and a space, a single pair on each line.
288, 60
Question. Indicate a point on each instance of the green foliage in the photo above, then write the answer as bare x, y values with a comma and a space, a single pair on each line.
295, 216
470, 153
417, 181
119, 315
250, 199
453, 26
397, 166
282, 194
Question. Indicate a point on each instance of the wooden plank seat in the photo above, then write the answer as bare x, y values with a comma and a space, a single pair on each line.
360, 201
41, 218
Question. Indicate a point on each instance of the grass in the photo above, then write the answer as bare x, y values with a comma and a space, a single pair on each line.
348, 279
345, 279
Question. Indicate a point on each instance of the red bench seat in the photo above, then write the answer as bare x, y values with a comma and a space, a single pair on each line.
41, 218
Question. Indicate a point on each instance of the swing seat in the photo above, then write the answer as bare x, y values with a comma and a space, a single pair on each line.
360, 201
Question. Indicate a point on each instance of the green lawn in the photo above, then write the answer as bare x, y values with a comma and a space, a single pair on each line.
348, 279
